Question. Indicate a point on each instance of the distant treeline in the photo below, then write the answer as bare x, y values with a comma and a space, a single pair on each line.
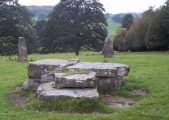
119, 17
149, 32
40, 12
70, 28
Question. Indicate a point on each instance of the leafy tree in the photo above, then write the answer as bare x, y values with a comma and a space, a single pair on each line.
74, 24
108, 15
157, 35
15, 21
119, 39
118, 17
148, 32
127, 21
40, 27
129, 39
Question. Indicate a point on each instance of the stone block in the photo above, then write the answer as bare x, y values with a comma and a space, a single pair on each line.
102, 69
75, 81
47, 77
109, 83
30, 85
42, 67
47, 93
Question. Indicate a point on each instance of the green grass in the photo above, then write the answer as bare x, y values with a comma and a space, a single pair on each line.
148, 69
113, 26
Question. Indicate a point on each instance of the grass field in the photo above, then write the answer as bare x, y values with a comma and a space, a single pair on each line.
113, 26
149, 69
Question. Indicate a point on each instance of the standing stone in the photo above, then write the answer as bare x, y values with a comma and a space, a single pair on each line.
108, 47
22, 50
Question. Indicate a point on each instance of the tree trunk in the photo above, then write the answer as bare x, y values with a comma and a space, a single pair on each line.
77, 51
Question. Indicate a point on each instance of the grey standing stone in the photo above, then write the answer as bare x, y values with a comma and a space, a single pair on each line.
22, 50
108, 47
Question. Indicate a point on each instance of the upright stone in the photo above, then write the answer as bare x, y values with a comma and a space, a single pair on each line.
22, 50
108, 47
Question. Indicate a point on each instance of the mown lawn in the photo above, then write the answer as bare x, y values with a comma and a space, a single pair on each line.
149, 69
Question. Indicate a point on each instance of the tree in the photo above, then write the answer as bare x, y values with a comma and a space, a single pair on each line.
74, 24
119, 39
127, 21
40, 27
157, 35
118, 17
41, 12
15, 21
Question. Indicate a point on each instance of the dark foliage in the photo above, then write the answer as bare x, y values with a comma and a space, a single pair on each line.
15, 22
40, 12
74, 24
148, 32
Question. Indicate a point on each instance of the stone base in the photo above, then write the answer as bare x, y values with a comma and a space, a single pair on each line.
109, 83
30, 85
46, 92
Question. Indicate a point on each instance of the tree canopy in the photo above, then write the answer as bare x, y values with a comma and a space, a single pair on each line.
127, 21
148, 32
15, 21
74, 24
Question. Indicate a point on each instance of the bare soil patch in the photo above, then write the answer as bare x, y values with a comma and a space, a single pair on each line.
139, 92
120, 102
17, 100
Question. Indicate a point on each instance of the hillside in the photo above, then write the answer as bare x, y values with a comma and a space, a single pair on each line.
113, 26
41, 12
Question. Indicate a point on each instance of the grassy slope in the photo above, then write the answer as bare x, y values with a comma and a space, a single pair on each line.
113, 26
149, 69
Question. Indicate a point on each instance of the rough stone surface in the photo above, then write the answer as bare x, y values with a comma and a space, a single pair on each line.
102, 69
75, 81
22, 50
48, 77
30, 85
46, 92
108, 47
43, 67
109, 83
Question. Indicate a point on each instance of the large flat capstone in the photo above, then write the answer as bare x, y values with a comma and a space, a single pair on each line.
43, 67
102, 69
46, 92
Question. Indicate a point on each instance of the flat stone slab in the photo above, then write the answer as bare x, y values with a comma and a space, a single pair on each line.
42, 67
102, 69
46, 92
75, 81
